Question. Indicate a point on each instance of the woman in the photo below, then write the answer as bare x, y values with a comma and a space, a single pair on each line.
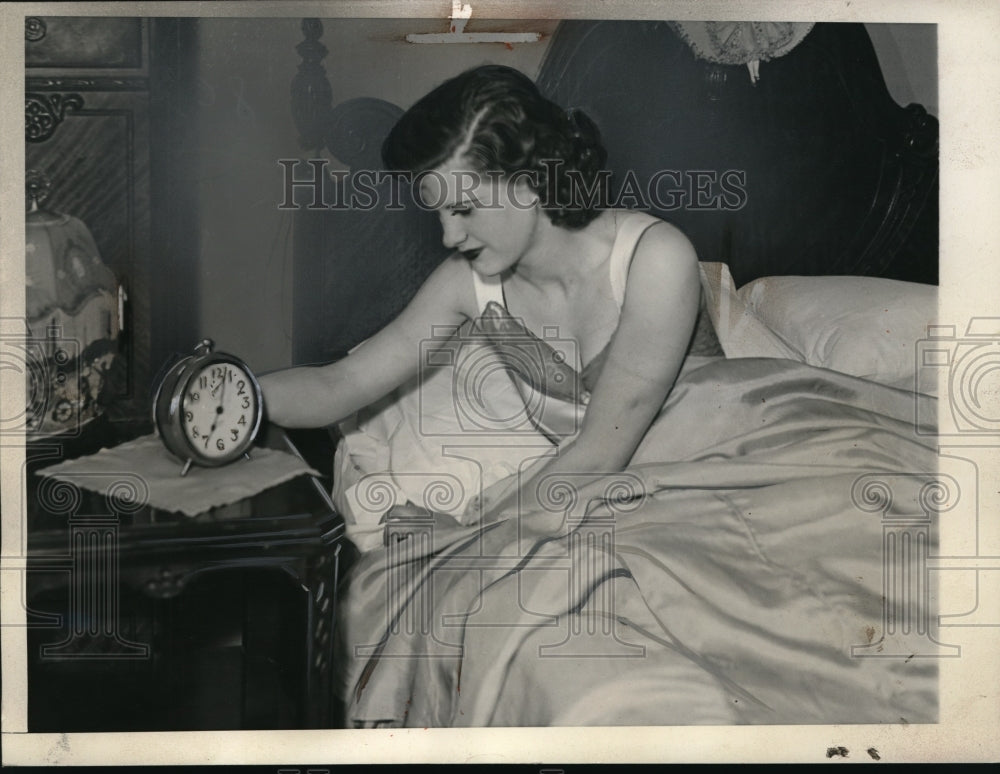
508, 170
717, 598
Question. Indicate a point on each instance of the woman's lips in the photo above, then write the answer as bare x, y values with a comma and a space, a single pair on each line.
471, 255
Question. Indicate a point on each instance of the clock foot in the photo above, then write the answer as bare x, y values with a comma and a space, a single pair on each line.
187, 467
246, 455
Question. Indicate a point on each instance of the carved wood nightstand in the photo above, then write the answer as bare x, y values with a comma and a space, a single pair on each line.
109, 578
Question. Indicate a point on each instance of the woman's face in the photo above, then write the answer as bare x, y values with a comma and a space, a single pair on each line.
491, 220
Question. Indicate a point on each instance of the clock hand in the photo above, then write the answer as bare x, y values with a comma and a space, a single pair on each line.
222, 393
218, 409
222, 384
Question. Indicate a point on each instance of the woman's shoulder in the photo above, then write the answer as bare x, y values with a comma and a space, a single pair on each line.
640, 230
646, 249
661, 254
650, 224
642, 237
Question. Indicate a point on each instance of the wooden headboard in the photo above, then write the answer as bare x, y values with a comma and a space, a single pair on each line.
814, 169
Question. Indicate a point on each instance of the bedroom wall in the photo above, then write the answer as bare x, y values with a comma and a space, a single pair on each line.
907, 54
244, 126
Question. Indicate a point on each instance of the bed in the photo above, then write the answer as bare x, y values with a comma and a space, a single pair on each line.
762, 560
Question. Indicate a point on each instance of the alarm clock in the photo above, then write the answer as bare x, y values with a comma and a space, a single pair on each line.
208, 408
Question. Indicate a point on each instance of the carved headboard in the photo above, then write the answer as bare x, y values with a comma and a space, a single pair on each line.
814, 169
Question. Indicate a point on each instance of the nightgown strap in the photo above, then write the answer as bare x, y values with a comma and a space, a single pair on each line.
487, 289
633, 226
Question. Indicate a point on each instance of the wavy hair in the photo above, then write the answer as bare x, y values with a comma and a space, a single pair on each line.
501, 123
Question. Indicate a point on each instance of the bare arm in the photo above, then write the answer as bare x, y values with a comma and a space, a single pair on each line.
645, 356
316, 396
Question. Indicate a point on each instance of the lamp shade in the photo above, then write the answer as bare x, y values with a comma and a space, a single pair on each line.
63, 267
72, 307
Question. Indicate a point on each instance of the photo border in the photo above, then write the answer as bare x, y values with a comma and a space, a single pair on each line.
969, 99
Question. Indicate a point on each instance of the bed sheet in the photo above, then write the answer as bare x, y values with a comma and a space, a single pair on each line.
741, 570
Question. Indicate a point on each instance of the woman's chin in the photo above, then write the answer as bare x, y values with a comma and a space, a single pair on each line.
487, 272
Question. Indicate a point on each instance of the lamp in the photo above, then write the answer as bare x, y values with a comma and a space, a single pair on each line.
741, 43
74, 309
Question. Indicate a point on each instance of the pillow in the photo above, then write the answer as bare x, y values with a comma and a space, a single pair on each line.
456, 428
739, 332
705, 341
862, 326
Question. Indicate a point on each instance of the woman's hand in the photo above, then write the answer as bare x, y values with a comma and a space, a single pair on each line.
402, 521
518, 496
485, 507
509, 495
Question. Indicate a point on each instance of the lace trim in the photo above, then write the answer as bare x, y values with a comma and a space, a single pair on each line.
532, 359
741, 43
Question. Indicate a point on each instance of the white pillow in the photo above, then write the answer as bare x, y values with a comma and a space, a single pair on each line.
437, 441
862, 326
740, 333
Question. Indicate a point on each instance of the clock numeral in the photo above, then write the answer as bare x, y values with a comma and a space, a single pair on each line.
242, 420
203, 382
194, 432
220, 445
195, 396
246, 402
236, 433
188, 416
241, 384
219, 372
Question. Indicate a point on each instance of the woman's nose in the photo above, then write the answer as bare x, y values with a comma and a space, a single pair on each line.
453, 233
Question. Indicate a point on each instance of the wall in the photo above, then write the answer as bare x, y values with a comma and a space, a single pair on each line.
907, 54
244, 126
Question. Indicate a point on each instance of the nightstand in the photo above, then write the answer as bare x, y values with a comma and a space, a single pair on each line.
161, 621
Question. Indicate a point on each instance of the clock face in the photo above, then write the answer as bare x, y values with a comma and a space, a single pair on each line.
219, 410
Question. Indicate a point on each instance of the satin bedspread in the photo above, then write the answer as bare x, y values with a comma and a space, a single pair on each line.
735, 573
